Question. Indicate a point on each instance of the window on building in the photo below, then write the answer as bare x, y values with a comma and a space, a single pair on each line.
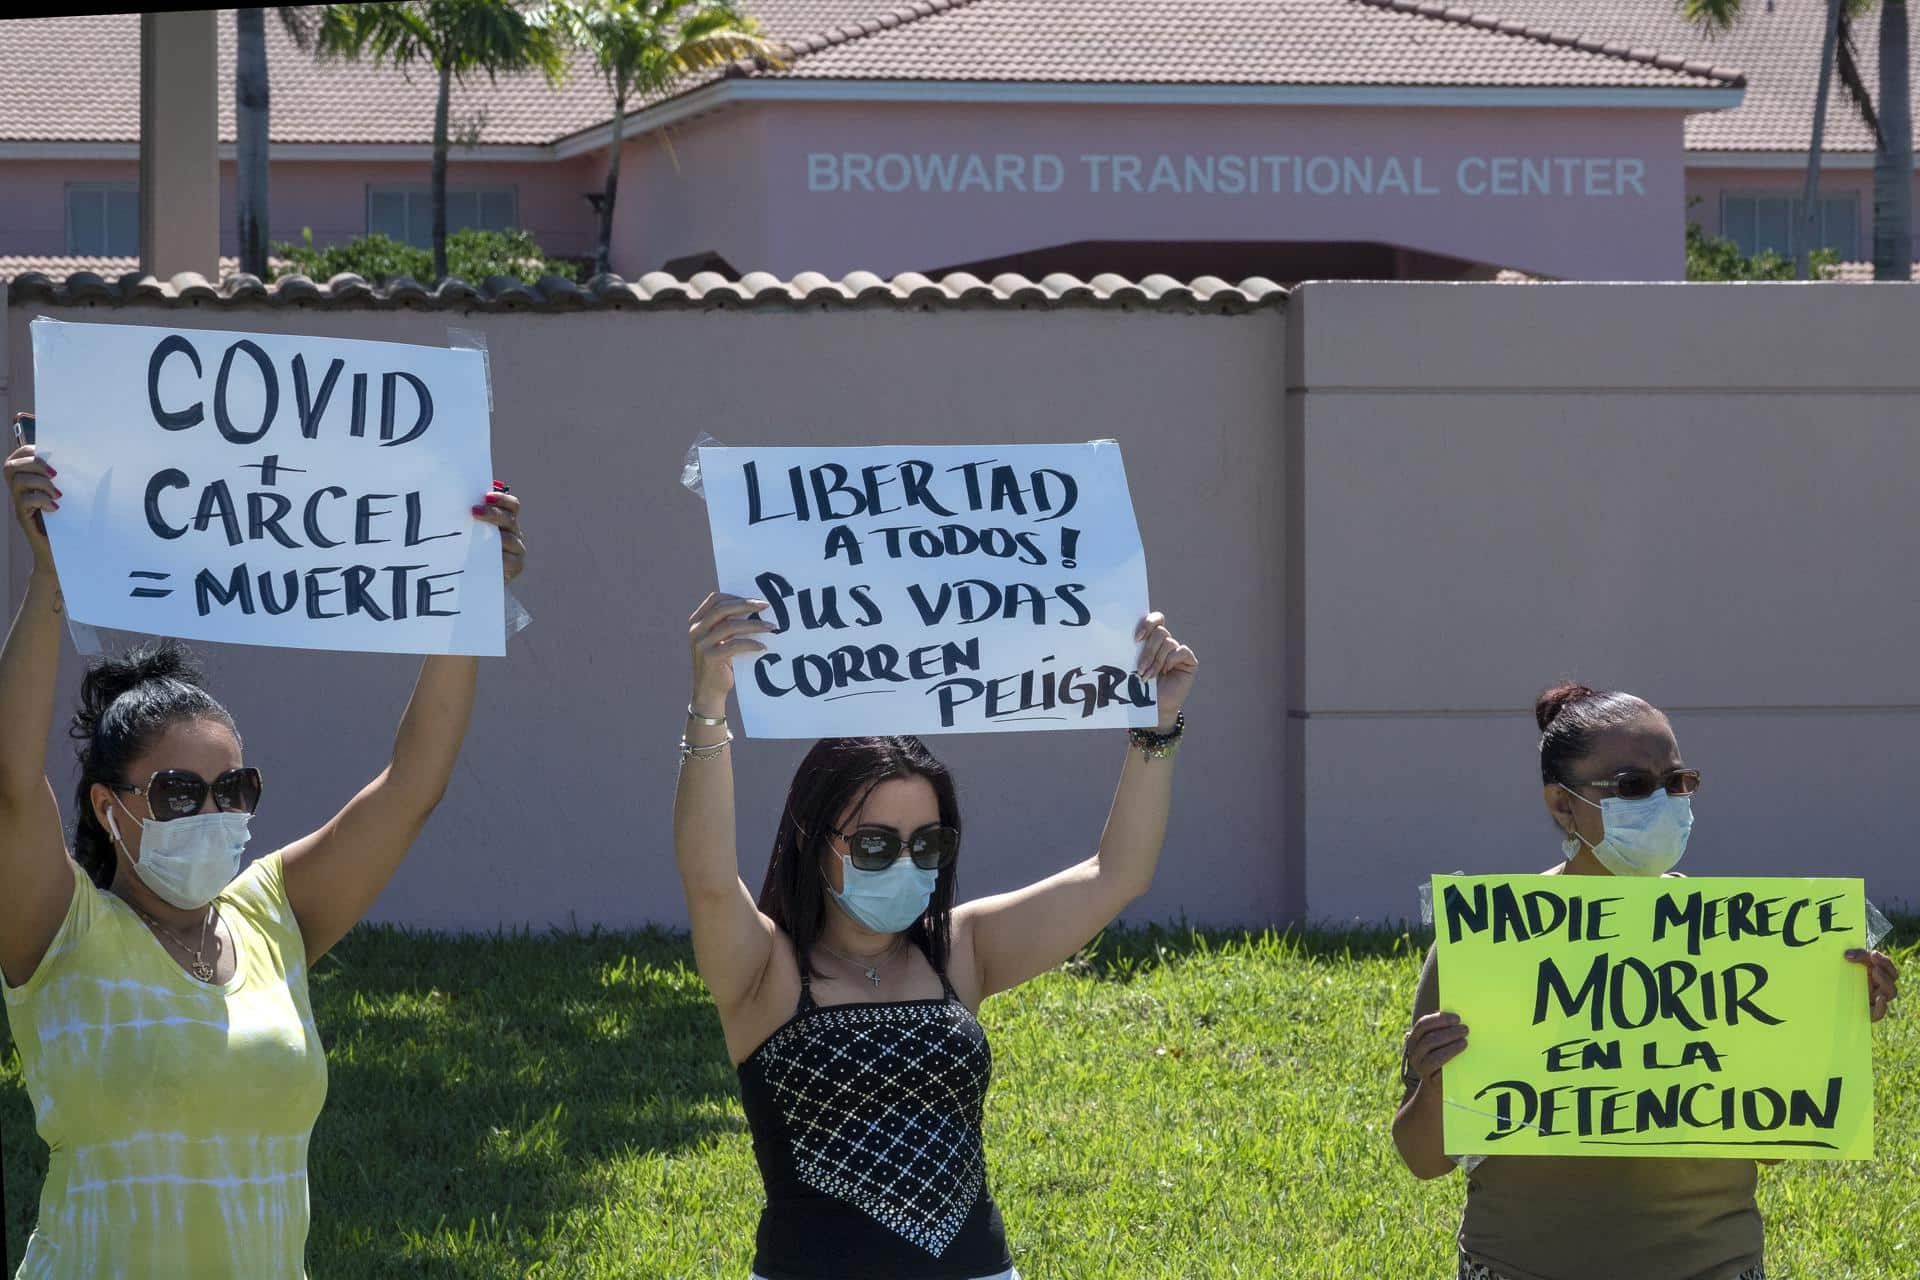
103, 219
406, 213
1760, 222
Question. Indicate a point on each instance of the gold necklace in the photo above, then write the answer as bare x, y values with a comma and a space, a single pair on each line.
872, 971
202, 970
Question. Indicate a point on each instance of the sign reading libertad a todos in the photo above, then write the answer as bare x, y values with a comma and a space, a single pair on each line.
1655, 1017
258, 489
933, 590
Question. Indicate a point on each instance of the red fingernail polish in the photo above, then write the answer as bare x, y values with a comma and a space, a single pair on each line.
52, 472
479, 511
492, 498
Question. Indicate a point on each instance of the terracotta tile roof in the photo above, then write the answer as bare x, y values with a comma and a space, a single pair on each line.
60, 266
1777, 44
1845, 273
1862, 272
660, 291
1343, 42
77, 79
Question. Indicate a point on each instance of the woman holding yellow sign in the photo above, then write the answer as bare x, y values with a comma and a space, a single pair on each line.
1616, 786
157, 993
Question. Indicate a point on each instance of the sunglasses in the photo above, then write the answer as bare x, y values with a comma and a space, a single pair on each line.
877, 848
1638, 784
179, 793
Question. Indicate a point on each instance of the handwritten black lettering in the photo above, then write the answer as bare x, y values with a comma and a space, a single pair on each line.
260, 372
1631, 993
1627, 1117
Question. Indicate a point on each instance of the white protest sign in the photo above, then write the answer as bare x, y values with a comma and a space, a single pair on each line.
948, 589
277, 490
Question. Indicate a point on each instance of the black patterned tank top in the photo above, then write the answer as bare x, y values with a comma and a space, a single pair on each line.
866, 1123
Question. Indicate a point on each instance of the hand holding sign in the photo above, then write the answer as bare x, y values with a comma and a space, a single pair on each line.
720, 630
1883, 981
31, 489
1435, 1040
1167, 661
502, 510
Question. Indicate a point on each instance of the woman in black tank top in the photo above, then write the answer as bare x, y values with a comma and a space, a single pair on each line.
847, 990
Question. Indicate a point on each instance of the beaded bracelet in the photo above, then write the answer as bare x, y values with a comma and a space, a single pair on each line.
1155, 745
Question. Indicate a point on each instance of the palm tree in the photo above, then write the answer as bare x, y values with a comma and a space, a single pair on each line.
1893, 156
1892, 125
642, 48
454, 37
251, 115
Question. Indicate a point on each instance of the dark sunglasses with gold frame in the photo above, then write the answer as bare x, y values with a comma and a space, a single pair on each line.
179, 793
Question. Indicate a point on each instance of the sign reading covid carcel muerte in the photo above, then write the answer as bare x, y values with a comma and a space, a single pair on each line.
266, 489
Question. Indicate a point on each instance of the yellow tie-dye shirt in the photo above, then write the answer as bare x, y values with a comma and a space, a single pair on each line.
176, 1113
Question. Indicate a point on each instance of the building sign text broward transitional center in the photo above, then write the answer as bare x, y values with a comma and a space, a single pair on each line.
1226, 174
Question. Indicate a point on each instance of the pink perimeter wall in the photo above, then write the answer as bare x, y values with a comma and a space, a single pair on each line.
889, 187
1699, 493
329, 196
560, 810
1384, 515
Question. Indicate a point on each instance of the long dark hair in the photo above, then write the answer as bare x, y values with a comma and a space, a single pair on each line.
838, 774
125, 703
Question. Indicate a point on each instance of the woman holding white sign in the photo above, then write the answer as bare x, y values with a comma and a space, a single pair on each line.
848, 990
159, 999
1616, 787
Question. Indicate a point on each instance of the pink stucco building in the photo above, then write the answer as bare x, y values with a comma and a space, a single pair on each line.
1283, 138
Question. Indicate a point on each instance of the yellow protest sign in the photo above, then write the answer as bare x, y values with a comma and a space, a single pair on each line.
1675, 1016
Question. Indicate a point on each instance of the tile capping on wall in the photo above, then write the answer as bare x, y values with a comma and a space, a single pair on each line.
659, 290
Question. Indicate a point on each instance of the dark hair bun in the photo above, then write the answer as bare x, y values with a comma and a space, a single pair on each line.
1553, 701
108, 678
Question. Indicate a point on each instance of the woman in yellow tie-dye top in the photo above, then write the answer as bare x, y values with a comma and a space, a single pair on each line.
159, 1002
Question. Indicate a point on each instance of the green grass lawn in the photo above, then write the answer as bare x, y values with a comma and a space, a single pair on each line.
1173, 1105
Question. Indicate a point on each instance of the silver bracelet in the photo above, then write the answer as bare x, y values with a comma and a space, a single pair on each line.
690, 752
712, 722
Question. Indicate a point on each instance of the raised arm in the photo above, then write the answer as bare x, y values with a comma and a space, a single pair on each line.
334, 874
732, 941
1017, 935
36, 882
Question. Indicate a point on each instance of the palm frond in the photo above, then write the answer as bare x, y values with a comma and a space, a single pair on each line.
1846, 65
301, 23
1714, 17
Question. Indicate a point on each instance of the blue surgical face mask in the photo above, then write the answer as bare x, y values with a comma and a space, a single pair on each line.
1644, 837
888, 900
187, 861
